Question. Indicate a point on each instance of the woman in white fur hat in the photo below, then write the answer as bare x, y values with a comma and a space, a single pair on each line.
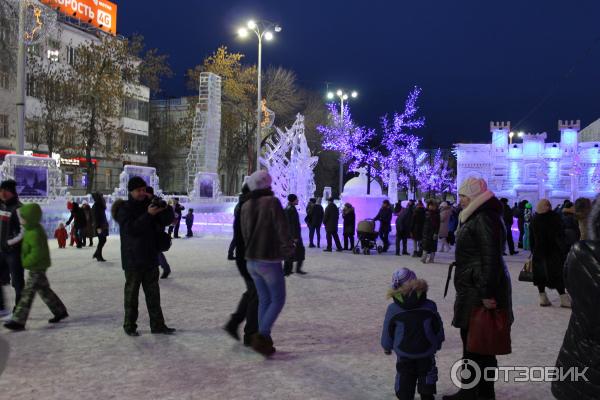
481, 277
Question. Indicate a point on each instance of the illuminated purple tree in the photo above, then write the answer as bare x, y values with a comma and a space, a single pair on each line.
436, 177
344, 136
403, 154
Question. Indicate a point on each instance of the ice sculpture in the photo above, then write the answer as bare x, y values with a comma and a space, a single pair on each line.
203, 159
290, 163
534, 169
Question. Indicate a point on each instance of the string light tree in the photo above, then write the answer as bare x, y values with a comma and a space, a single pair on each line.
404, 162
36, 22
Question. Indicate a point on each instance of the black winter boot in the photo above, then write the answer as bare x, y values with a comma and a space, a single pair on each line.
14, 326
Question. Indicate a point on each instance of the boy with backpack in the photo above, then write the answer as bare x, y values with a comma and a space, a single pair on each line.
35, 257
413, 329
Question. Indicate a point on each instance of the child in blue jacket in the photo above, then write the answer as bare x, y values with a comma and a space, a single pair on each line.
413, 329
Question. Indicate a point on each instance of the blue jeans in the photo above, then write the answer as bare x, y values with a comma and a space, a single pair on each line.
270, 285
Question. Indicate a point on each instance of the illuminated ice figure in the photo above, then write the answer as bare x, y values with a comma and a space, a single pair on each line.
533, 169
290, 163
203, 157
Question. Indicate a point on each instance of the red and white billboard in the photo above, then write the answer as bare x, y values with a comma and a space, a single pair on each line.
99, 13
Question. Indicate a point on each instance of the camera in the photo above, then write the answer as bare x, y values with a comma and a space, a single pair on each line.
158, 202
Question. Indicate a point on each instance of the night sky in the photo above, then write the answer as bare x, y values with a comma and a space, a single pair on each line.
534, 61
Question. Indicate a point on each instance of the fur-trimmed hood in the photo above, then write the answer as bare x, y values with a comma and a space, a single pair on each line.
116, 206
415, 285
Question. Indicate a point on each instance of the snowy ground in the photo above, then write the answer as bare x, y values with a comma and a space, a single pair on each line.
327, 336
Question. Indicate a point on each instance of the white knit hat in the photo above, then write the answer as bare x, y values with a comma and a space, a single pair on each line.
472, 187
259, 180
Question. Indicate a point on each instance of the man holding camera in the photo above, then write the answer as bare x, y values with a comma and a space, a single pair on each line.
142, 220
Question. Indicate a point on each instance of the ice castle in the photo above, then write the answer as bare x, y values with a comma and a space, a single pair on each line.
533, 169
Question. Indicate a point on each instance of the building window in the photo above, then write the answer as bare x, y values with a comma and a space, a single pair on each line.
4, 32
3, 126
135, 109
53, 55
71, 55
108, 179
69, 180
34, 49
30, 86
4, 79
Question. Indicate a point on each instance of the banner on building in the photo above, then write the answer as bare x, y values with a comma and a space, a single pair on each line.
99, 13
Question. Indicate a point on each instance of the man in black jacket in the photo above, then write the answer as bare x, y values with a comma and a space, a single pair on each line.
248, 306
142, 226
403, 223
314, 220
330, 219
293, 220
10, 229
385, 223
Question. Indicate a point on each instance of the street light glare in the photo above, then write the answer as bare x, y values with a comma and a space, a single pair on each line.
339, 93
269, 35
242, 32
511, 134
277, 28
345, 97
521, 134
354, 94
251, 24
330, 95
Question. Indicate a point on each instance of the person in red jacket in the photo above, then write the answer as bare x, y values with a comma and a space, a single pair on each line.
61, 235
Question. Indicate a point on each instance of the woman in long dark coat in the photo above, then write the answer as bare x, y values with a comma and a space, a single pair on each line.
89, 224
581, 346
548, 248
431, 230
416, 228
481, 277
100, 224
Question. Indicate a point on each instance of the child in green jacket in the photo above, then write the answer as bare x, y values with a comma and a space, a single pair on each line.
35, 257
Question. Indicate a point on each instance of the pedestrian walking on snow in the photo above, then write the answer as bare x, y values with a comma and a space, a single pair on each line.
61, 235
35, 257
267, 241
330, 219
549, 252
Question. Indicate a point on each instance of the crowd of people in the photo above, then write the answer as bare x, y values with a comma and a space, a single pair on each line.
268, 244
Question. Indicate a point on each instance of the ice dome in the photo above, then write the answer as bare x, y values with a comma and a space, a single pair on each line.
357, 186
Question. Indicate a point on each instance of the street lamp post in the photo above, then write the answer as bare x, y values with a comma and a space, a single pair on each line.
343, 97
262, 29
20, 139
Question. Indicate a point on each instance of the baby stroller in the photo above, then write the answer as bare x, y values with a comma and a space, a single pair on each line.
367, 236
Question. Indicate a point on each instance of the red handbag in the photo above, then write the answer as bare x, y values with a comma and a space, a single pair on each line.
489, 332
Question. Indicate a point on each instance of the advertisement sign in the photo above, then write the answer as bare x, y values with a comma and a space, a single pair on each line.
31, 181
99, 13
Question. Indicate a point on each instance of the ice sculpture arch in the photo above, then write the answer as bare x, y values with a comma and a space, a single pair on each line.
288, 159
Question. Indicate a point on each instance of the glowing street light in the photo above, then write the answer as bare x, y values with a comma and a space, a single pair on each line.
343, 96
262, 29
